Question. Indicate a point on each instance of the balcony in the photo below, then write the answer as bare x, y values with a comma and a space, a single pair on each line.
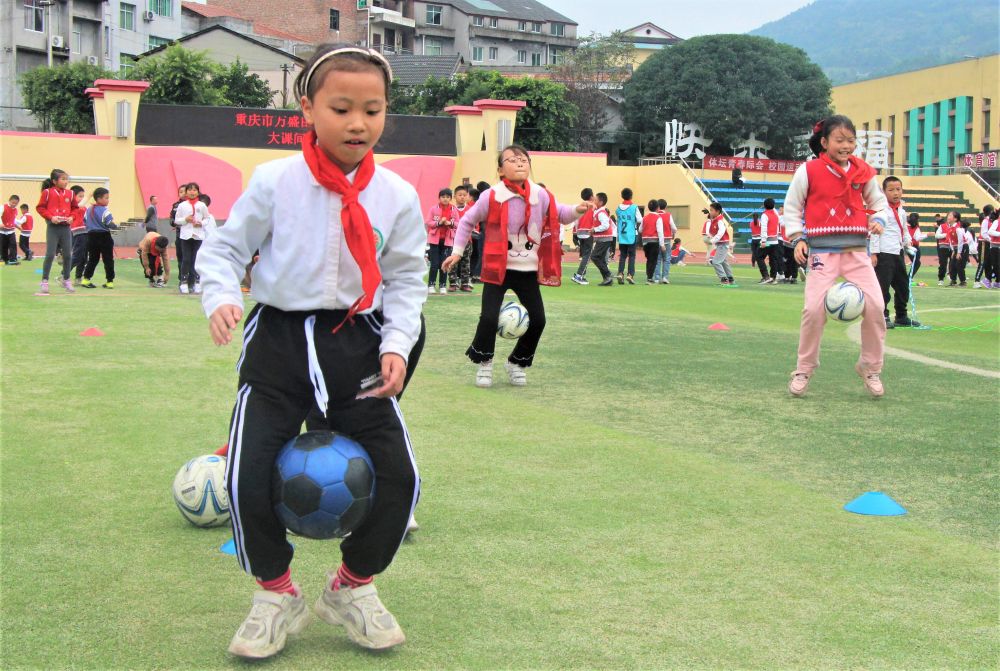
390, 19
523, 36
433, 30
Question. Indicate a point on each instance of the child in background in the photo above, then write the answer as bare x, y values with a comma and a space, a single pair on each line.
192, 215
522, 250
150, 221
790, 266
709, 247
583, 231
756, 252
100, 244
604, 237
916, 235
155, 262
662, 272
718, 234
321, 329
78, 230
831, 194
887, 249
8, 231
770, 239
178, 248
982, 246
653, 245
956, 240
440, 222
677, 253
56, 205
627, 216
944, 234
460, 276
477, 235
26, 223
991, 276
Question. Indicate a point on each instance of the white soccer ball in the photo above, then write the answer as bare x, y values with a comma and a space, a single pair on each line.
845, 302
513, 321
200, 491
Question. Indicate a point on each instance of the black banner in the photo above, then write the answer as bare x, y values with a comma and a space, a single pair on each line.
195, 126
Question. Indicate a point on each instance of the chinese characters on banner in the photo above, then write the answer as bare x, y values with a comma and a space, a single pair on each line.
981, 159
280, 128
873, 147
755, 164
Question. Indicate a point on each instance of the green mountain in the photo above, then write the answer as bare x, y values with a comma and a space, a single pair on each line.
861, 39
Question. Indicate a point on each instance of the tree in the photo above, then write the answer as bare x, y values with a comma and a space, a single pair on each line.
180, 76
55, 96
732, 85
598, 69
545, 124
242, 89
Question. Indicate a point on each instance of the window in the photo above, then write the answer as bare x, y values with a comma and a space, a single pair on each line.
477, 54
77, 41
125, 64
554, 56
334, 19
494, 22
522, 56
432, 47
107, 41
494, 53
557, 29
161, 7
477, 20
522, 25
536, 27
434, 15
34, 16
536, 59
155, 41
126, 16
986, 124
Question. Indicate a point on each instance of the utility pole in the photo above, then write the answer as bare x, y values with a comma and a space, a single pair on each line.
47, 4
285, 67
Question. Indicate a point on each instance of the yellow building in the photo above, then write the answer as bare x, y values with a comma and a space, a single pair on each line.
935, 115
647, 39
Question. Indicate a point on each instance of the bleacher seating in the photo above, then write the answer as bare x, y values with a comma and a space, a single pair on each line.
740, 204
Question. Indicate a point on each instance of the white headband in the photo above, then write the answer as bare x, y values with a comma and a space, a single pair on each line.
372, 55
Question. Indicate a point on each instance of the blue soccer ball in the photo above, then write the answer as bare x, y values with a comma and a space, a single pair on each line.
323, 485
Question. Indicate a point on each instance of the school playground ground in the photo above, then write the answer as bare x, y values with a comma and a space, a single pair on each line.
652, 499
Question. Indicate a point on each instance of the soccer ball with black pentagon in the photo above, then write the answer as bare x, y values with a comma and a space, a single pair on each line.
323, 485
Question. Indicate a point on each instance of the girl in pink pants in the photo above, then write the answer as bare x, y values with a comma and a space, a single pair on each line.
827, 212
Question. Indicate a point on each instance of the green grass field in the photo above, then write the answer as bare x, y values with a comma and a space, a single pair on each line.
653, 499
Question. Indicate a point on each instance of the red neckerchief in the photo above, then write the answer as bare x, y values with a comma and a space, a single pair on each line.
860, 174
895, 213
627, 203
524, 190
353, 217
193, 202
446, 213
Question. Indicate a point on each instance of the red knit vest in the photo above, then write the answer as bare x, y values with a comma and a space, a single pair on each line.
834, 205
495, 245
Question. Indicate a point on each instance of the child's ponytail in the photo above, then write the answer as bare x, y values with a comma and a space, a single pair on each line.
823, 128
53, 178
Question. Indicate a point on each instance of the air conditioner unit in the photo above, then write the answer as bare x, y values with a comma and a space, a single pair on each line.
92, 60
147, 15
56, 41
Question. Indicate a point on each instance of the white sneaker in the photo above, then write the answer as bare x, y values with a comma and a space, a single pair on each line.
664, 281
977, 285
361, 613
442, 290
517, 374
430, 290
272, 618
484, 374
412, 524
940, 283
184, 289
197, 288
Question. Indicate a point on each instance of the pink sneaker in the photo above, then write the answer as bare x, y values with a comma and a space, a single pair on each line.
873, 383
798, 384
68, 286
43, 288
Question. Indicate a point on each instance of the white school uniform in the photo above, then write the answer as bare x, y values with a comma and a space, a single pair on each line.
189, 231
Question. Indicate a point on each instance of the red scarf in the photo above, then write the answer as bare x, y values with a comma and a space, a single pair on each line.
523, 190
353, 218
193, 202
860, 174
895, 213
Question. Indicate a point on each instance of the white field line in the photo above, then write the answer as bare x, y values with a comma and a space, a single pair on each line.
854, 333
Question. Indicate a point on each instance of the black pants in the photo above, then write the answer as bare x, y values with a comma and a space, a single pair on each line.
8, 247
25, 244
944, 261
627, 251
277, 387
993, 266
438, 253
476, 262
915, 262
652, 252
602, 247
891, 272
100, 247
757, 257
190, 255
984, 259
524, 284
79, 262
179, 250
790, 265
586, 251
956, 265
775, 263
